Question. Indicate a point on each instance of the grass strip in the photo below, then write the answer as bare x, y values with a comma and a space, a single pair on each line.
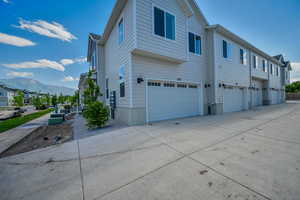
15, 122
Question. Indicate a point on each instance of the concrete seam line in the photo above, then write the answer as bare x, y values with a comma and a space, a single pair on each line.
240, 133
233, 180
88, 157
189, 154
80, 170
138, 178
221, 174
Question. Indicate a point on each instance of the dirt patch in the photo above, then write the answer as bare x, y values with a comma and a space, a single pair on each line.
41, 137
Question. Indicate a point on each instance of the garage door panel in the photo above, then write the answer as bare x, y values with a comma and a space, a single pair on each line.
172, 102
233, 100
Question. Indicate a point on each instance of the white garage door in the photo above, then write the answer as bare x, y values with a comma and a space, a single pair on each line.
170, 100
233, 100
274, 97
257, 93
257, 97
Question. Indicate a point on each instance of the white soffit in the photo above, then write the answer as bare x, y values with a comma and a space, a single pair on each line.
185, 6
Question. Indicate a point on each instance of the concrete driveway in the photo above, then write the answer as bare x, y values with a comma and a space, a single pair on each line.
245, 155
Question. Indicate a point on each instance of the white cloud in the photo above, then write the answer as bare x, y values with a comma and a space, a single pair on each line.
42, 63
70, 79
20, 74
15, 41
295, 73
6, 1
72, 61
81, 60
53, 30
67, 61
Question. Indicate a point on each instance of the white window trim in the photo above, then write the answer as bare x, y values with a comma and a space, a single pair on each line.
153, 23
121, 17
122, 81
245, 60
262, 64
256, 62
229, 58
195, 44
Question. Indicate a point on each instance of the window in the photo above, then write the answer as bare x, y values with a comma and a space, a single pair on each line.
255, 61
122, 89
121, 31
277, 71
264, 65
106, 88
181, 85
169, 85
193, 86
122, 81
164, 24
157, 84
227, 50
243, 57
271, 68
195, 44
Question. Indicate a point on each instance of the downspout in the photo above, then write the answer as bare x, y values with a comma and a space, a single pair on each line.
250, 83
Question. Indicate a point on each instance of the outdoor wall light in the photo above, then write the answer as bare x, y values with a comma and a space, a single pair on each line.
139, 80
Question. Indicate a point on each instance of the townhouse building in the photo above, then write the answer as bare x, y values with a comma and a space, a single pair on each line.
159, 60
7, 95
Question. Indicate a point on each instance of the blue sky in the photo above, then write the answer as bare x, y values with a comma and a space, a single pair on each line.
51, 41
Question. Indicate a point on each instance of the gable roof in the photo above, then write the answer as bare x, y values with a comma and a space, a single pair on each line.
92, 42
120, 4
286, 64
198, 11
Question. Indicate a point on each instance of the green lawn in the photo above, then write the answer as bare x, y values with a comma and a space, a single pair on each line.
12, 123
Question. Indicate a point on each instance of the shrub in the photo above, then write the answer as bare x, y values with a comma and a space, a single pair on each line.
19, 99
96, 114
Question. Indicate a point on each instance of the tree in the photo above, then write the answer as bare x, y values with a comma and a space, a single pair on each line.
54, 100
74, 100
61, 99
48, 99
19, 99
36, 101
293, 87
96, 113
92, 92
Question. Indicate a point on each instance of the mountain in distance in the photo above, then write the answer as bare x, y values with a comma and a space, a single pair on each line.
36, 86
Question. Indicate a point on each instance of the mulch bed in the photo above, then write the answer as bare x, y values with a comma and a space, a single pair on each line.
42, 137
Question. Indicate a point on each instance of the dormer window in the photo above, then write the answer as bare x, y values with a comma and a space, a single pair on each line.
164, 24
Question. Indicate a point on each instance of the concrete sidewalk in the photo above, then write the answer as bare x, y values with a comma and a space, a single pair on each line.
245, 155
12, 136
